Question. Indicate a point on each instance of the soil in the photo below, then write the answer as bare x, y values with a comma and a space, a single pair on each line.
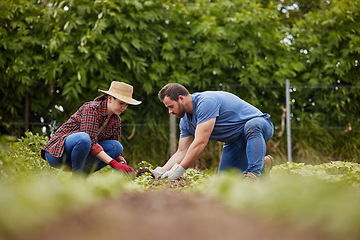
143, 171
167, 214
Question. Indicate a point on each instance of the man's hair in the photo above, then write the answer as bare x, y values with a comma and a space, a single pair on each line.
173, 91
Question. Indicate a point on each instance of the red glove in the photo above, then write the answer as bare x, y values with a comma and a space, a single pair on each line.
122, 167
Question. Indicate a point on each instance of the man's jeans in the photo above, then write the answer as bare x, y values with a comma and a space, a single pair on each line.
77, 153
248, 152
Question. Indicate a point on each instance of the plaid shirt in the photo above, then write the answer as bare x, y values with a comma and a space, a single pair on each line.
88, 118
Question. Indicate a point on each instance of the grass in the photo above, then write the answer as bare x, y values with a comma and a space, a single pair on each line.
324, 196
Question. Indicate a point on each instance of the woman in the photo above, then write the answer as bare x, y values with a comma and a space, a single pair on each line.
89, 140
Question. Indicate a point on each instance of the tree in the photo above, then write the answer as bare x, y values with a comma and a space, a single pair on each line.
21, 59
327, 45
60, 53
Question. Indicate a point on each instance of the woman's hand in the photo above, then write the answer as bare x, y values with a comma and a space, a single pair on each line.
121, 159
122, 167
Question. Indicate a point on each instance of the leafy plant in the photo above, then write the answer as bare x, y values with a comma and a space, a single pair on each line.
324, 196
23, 156
190, 179
297, 193
334, 172
32, 192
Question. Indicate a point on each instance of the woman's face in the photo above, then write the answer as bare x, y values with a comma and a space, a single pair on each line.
116, 106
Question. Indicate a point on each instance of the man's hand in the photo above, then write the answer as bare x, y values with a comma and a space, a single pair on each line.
122, 167
158, 172
175, 172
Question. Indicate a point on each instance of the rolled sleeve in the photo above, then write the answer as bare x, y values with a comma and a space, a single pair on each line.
95, 149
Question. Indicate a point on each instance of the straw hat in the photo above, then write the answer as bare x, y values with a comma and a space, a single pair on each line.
121, 91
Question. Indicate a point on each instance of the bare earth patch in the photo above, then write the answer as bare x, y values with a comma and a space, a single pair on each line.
166, 214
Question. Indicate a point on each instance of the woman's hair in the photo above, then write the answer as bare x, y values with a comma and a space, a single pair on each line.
173, 91
101, 98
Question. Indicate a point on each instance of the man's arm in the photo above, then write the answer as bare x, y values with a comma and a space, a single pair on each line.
197, 146
183, 147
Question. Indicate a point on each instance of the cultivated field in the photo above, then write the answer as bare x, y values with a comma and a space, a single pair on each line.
298, 201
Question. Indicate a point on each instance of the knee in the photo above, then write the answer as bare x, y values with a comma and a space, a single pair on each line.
252, 128
83, 138
118, 148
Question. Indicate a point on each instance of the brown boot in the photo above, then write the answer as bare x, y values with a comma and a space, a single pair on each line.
268, 162
250, 176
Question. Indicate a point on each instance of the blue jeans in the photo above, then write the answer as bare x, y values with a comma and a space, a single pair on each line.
77, 153
248, 151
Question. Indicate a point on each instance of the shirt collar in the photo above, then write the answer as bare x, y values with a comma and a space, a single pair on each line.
103, 108
104, 113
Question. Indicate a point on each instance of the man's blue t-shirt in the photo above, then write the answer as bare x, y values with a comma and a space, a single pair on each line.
231, 114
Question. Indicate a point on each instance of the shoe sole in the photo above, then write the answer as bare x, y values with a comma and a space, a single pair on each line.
250, 177
268, 162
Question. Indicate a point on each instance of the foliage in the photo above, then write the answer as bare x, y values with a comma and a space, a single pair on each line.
327, 43
323, 196
190, 179
334, 172
321, 124
34, 199
296, 194
223, 48
291, 11
23, 156
59, 53
22, 40
84, 41
32, 192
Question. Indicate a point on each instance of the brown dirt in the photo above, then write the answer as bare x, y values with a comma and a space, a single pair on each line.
166, 214
143, 171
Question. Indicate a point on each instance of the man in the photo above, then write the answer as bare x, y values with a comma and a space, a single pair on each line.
219, 116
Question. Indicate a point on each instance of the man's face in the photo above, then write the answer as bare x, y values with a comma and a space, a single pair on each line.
175, 107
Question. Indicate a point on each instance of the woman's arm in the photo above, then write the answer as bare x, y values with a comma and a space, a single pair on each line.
103, 157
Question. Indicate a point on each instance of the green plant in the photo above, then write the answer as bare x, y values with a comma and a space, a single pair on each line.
23, 156
310, 196
32, 192
347, 173
324, 196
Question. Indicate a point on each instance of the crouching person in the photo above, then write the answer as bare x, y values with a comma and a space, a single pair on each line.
219, 116
89, 140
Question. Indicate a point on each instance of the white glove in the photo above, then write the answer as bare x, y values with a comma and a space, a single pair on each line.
158, 172
175, 172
